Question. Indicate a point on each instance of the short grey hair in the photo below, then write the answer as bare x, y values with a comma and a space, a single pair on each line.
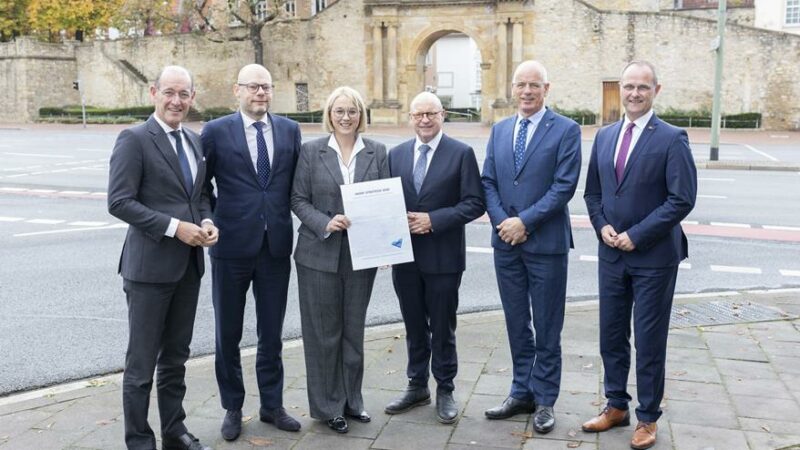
178, 69
641, 63
425, 96
539, 67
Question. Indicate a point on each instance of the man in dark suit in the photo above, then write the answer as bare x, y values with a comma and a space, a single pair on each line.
156, 181
641, 183
251, 156
442, 190
532, 164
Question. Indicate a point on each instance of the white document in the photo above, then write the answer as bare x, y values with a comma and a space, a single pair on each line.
378, 232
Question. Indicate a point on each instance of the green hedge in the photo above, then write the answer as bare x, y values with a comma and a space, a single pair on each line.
582, 116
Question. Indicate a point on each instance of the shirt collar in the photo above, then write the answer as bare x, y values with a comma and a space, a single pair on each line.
357, 147
534, 118
641, 122
167, 129
249, 121
433, 143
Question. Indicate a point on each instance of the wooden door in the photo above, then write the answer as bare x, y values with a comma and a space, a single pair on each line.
611, 102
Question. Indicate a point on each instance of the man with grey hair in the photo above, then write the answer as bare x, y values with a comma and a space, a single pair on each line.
251, 156
442, 190
156, 185
533, 160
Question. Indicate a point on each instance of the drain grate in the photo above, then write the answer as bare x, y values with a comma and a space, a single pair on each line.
723, 312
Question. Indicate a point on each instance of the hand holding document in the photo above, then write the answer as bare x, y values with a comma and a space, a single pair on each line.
378, 233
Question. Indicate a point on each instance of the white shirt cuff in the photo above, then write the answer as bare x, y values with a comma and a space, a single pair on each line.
172, 228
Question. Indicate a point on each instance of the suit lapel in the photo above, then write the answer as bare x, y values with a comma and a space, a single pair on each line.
606, 158
363, 161
164, 147
331, 162
435, 166
541, 130
640, 147
406, 154
236, 130
199, 178
273, 163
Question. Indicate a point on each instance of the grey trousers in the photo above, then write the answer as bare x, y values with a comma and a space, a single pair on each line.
333, 308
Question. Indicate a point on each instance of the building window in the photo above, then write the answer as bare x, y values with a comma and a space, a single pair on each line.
291, 8
261, 10
318, 5
792, 12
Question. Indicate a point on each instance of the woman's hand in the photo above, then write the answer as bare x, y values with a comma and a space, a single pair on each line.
338, 223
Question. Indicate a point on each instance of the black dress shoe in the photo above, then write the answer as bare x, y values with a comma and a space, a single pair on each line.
186, 441
338, 424
446, 407
413, 396
510, 407
232, 425
362, 416
280, 419
544, 419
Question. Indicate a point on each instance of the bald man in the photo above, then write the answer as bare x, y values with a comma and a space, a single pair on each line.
155, 184
442, 190
533, 160
251, 155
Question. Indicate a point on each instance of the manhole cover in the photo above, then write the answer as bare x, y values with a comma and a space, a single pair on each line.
723, 312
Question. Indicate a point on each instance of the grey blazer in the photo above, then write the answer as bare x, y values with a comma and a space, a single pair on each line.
145, 191
316, 198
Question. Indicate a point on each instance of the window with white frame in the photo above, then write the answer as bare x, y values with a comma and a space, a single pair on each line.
291, 8
792, 12
318, 5
261, 10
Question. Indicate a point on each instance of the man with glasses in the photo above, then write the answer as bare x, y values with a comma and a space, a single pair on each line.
156, 185
533, 160
251, 157
641, 183
442, 190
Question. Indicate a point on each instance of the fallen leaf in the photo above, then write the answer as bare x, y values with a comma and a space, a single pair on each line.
572, 433
97, 382
105, 422
389, 372
597, 403
259, 441
679, 372
397, 336
574, 444
588, 366
502, 369
525, 435
766, 428
246, 419
389, 351
684, 312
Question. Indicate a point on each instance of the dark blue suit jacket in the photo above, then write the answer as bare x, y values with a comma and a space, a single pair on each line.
242, 207
539, 192
451, 194
657, 191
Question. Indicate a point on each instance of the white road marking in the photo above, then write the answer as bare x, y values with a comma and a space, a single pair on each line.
39, 155
685, 265
725, 180
736, 269
588, 258
86, 223
12, 189
43, 191
780, 228
11, 219
790, 273
480, 249
579, 216
45, 221
75, 192
690, 222
755, 150
728, 224
72, 230
51, 191
718, 197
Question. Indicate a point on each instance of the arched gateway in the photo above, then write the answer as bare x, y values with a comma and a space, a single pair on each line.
404, 30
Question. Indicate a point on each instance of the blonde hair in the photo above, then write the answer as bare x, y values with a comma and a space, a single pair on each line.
352, 95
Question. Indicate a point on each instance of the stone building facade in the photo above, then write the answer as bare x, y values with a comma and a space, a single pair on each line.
378, 47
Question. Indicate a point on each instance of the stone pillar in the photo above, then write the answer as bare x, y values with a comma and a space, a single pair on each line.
377, 63
501, 62
516, 43
391, 63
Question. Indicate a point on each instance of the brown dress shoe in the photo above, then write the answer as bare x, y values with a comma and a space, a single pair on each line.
644, 436
610, 417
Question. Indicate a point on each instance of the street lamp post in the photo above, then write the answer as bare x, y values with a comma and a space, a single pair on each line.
716, 113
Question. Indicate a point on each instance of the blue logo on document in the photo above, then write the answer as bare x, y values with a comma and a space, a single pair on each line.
398, 243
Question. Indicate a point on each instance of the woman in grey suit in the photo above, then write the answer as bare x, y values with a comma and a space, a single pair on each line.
334, 297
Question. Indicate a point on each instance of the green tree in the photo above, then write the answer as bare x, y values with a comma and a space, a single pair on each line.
73, 16
13, 19
149, 17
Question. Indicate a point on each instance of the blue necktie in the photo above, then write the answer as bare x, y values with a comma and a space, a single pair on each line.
421, 166
519, 145
262, 162
188, 180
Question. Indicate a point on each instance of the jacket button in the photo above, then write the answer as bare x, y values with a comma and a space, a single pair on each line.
516, 183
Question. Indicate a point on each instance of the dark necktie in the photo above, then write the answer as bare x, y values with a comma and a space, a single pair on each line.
188, 180
421, 166
262, 162
622, 156
519, 145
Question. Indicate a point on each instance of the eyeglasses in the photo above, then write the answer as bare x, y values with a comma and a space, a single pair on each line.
532, 85
430, 115
644, 88
183, 95
253, 87
340, 112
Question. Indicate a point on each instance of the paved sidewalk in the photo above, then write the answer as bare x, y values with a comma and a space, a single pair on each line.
729, 387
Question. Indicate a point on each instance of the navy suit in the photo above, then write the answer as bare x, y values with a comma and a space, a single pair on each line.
427, 288
246, 253
657, 190
533, 275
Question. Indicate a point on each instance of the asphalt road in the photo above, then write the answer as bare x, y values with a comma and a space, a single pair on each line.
63, 312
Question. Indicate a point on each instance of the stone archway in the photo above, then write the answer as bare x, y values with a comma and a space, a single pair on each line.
403, 31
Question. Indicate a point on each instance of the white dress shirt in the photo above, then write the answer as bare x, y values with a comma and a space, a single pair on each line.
640, 123
187, 150
348, 170
433, 144
534, 119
